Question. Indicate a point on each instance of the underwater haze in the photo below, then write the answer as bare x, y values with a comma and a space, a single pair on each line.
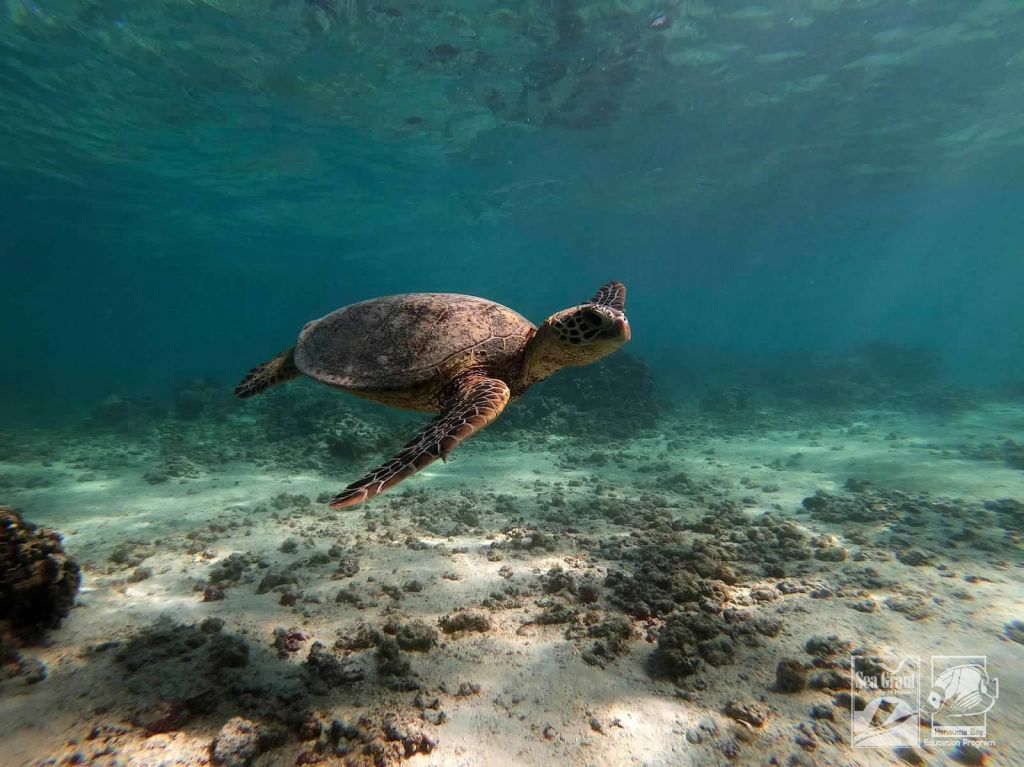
810, 450
186, 182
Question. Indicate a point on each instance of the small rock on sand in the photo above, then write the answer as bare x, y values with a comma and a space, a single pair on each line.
237, 743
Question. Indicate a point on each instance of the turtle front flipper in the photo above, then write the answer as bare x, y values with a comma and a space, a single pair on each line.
262, 377
611, 294
476, 400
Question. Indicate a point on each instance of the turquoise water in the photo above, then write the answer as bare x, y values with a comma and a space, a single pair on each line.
184, 184
817, 425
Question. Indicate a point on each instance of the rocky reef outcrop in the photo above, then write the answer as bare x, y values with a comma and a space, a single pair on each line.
38, 581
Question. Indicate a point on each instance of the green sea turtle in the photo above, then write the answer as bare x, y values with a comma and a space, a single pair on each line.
460, 356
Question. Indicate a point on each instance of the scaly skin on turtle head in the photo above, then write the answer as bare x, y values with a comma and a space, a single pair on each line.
579, 335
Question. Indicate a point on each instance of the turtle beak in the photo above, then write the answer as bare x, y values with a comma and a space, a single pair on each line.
622, 325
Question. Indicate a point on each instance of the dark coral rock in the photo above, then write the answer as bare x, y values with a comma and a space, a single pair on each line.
417, 636
1015, 631
390, 661
365, 637
654, 589
130, 553
679, 652
329, 669
288, 598
467, 689
616, 631
556, 580
165, 716
230, 569
914, 557
287, 640
790, 676
38, 582
1007, 506
464, 621
827, 646
228, 651
349, 597
752, 713
966, 753
347, 567
33, 671
555, 614
589, 592
10, 658
213, 594
830, 679
413, 739
140, 574
237, 743
718, 651
273, 580
211, 625
176, 671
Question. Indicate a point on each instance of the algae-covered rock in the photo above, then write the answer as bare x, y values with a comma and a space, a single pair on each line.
237, 743
38, 581
685, 645
464, 621
416, 636
790, 676
331, 670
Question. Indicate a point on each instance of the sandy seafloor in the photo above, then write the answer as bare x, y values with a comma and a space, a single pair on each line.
538, 701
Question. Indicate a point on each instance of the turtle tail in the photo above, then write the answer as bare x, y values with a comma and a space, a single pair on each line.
262, 377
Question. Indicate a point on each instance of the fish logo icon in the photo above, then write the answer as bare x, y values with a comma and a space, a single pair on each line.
962, 694
964, 691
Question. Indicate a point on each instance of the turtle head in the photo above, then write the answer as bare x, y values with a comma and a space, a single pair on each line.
583, 334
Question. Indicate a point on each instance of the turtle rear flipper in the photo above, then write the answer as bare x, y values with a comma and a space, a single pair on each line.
475, 402
262, 377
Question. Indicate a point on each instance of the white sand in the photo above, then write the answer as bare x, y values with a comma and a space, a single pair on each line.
531, 677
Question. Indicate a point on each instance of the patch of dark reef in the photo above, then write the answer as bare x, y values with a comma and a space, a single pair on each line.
38, 581
714, 586
300, 427
922, 529
38, 585
172, 677
707, 582
877, 374
1009, 451
613, 400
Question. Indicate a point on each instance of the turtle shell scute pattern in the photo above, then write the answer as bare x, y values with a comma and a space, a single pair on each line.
404, 341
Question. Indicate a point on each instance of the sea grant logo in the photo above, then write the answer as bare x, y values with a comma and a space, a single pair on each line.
892, 716
961, 695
